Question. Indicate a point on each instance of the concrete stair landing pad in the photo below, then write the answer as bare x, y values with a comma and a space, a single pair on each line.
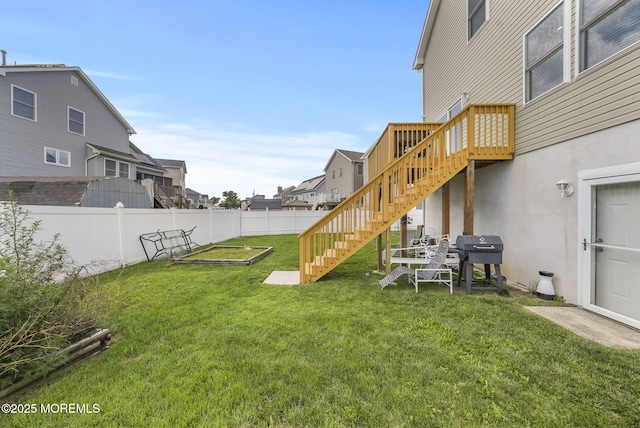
280, 277
591, 326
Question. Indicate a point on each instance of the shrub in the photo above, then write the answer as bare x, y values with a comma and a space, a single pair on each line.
42, 303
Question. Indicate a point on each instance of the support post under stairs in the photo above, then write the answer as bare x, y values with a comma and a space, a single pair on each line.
469, 190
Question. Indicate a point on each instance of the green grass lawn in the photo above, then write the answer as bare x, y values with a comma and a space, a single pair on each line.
198, 345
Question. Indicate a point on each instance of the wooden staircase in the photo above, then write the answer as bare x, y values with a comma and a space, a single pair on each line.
479, 132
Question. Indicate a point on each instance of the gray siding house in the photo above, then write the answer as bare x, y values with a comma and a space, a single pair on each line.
344, 175
311, 191
572, 69
55, 122
197, 199
177, 171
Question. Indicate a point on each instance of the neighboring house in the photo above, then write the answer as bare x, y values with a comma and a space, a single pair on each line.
197, 199
344, 175
177, 171
260, 203
151, 174
289, 201
572, 69
149, 168
284, 193
297, 205
310, 191
105, 192
57, 123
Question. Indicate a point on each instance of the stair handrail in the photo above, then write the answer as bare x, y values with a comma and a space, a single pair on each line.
385, 197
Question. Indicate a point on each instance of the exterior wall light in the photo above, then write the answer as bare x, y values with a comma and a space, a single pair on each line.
565, 188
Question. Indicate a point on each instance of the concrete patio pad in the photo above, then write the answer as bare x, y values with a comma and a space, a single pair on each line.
280, 277
591, 326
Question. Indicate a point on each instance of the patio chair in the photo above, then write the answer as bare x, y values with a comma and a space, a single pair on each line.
419, 237
414, 255
434, 271
395, 274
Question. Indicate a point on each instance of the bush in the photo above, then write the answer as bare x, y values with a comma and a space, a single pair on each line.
42, 304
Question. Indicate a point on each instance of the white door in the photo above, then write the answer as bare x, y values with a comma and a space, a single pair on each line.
610, 247
617, 248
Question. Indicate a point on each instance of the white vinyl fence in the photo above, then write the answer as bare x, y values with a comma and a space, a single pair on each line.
108, 237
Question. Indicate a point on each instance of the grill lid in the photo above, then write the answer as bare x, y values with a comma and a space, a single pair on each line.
479, 243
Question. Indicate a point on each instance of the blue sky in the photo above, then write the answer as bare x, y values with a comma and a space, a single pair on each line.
251, 94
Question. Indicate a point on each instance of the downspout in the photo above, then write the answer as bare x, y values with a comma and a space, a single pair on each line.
86, 161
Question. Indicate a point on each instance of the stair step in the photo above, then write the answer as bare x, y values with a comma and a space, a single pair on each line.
344, 244
331, 253
309, 269
341, 245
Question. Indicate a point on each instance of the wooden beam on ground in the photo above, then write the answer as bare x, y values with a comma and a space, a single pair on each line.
469, 189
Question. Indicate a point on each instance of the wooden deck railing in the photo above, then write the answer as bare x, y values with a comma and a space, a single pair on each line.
395, 141
482, 132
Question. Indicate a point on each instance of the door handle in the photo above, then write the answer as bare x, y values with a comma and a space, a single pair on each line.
598, 241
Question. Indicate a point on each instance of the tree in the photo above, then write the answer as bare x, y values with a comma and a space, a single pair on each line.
43, 305
231, 200
214, 200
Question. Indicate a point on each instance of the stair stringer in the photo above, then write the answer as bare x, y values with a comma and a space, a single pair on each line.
353, 242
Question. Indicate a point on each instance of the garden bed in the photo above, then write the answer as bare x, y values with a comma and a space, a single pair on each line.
225, 255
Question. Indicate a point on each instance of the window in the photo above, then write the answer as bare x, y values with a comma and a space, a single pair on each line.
110, 168
57, 157
451, 112
124, 169
340, 171
333, 173
76, 121
23, 103
453, 135
359, 169
477, 15
114, 168
455, 109
606, 28
544, 54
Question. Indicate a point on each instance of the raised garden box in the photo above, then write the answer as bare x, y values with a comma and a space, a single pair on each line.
225, 255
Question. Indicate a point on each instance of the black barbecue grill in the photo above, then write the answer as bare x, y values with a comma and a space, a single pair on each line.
484, 249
